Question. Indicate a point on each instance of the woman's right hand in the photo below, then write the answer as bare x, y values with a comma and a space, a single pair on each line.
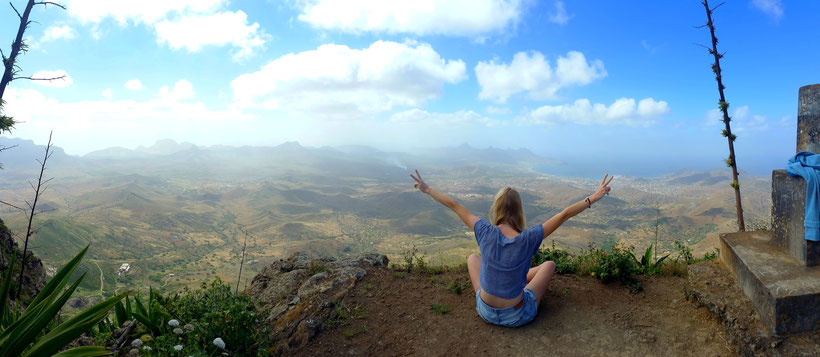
603, 189
423, 187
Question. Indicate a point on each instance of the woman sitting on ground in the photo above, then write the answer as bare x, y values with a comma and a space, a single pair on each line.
507, 290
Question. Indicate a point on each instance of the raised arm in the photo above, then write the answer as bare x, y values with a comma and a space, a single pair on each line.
557, 220
468, 218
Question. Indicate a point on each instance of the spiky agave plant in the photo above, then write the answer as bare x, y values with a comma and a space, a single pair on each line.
34, 333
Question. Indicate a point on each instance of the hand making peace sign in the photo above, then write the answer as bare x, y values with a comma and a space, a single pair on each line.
423, 187
603, 189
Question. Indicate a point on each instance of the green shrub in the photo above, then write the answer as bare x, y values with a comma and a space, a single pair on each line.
440, 309
200, 316
457, 287
316, 267
684, 253
617, 265
565, 262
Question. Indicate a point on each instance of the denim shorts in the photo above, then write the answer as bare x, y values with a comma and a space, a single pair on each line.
510, 317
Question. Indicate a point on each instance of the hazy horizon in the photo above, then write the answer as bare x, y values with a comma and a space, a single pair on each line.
564, 167
540, 75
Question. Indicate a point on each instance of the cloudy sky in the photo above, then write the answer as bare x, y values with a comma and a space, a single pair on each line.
611, 84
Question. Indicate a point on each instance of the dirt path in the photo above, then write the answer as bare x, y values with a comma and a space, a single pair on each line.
579, 317
102, 280
166, 279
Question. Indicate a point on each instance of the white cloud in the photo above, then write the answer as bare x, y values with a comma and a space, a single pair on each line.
137, 12
182, 90
450, 17
560, 15
219, 29
107, 93
133, 84
742, 120
63, 82
497, 110
182, 24
459, 118
623, 111
93, 124
773, 8
52, 33
338, 81
532, 73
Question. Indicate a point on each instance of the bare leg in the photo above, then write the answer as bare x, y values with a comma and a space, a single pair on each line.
531, 273
541, 279
474, 268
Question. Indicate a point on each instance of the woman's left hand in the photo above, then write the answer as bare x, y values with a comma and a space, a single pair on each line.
603, 189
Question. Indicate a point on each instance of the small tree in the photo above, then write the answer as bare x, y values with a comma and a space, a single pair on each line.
724, 108
11, 70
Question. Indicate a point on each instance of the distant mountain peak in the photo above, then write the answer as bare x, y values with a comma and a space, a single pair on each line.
290, 145
166, 147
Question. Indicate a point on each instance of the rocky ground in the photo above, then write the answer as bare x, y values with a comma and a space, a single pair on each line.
713, 287
34, 277
358, 307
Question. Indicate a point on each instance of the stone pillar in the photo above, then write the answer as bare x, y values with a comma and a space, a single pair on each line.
789, 193
808, 118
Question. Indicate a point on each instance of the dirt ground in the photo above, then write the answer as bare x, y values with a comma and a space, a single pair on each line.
579, 316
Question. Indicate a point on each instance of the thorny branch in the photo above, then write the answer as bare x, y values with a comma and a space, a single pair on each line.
32, 212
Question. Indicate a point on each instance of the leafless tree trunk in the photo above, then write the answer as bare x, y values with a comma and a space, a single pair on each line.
41, 187
724, 107
241, 262
657, 227
10, 67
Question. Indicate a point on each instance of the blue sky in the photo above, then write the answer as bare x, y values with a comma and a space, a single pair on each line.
611, 85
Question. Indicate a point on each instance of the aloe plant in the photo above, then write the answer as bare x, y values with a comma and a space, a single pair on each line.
153, 315
35, 333
646, 263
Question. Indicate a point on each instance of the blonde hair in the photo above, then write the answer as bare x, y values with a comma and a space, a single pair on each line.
507, 208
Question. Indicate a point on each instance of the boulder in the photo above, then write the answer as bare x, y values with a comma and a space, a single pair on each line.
301, 294
34, 278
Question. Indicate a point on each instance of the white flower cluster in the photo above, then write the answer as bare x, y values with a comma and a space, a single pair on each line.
219, 343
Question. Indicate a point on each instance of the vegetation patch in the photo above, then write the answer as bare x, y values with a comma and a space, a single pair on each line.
619, 263
208, 321
441, 309
317, 267
353, 331
457, 287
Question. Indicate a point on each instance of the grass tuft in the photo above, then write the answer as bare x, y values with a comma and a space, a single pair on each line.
457, 287
350, 332
441, 309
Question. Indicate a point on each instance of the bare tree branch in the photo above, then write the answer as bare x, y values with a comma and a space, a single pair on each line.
242, 261
29, 231
11, 205
45, 3
15, 10
710, 10
4, 148
39, 79
697, 44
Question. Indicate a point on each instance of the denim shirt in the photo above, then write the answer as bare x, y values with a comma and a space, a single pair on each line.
505, 261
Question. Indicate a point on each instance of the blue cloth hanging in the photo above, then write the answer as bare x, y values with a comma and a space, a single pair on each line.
806, 165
